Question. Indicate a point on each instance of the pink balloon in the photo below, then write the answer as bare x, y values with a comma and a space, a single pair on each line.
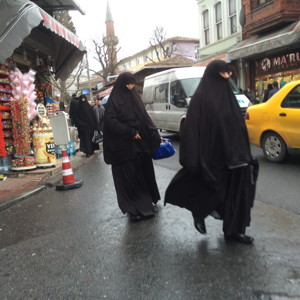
32, 97
25, 83
31, 88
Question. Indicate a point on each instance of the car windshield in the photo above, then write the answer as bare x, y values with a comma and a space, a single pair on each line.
190, 84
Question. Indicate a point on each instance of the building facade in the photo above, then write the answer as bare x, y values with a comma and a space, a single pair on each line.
270, 50
180, 46
220, 30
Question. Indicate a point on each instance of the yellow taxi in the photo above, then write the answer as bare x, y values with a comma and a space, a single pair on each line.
275, 125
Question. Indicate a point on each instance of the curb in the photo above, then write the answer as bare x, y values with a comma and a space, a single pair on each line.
14, 200
48, 182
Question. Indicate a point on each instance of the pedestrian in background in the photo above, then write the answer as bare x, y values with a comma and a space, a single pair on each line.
99, 112
217, 174
86, 123
274, 90
61, 103
73, 110
267, 91
250, 94
129, 141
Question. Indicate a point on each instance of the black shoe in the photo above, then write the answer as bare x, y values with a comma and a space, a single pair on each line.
134, 218
240, 238
200, 225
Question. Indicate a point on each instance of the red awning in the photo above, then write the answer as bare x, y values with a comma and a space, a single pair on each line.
105, 92
23, 23
59, 29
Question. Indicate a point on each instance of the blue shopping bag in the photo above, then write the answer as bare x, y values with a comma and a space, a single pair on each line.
165, 150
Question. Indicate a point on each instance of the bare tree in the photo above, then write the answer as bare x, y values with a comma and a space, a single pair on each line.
106, 55
63, 85
159, 45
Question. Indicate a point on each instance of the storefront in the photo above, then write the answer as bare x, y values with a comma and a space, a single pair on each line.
33, 46
283, 68
271, 57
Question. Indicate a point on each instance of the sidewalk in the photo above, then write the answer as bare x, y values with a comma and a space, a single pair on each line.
20, 185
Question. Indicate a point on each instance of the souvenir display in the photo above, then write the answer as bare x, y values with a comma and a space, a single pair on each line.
43, 140
23, 87
23, 109
6, 137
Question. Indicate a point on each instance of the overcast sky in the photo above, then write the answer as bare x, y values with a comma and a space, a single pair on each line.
135, 21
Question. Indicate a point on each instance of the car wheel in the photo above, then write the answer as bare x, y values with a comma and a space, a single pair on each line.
274, 147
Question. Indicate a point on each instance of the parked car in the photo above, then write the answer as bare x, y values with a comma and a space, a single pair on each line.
275, 125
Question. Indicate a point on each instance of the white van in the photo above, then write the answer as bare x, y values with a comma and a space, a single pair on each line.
166, 96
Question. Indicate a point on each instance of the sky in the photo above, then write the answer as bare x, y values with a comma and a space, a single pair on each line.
135, 21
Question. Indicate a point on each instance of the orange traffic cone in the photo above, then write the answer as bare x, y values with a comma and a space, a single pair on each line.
69, 181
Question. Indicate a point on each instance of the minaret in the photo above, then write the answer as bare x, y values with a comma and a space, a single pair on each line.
110, 40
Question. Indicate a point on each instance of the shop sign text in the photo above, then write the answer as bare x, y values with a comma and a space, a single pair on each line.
279, 63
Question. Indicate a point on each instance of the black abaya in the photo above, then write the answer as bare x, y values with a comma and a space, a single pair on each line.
219, 173
131, 161
86, 123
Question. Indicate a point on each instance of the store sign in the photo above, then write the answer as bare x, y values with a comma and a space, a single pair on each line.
85, 92
99, 85
279, 63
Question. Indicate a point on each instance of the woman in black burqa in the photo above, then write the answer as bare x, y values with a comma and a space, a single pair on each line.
129, 141
219, 173
86, 123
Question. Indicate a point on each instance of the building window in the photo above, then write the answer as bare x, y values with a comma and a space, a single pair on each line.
262, 2
232, 16
218, 15
206, 27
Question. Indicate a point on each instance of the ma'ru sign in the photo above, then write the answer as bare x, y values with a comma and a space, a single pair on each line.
278, 63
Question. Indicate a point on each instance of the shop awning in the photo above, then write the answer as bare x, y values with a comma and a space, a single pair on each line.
105, 92
262, 43
24, 23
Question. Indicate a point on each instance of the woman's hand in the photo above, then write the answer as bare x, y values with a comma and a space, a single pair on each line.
137, 137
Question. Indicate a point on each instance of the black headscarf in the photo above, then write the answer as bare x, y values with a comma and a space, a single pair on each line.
125, 115
215, 135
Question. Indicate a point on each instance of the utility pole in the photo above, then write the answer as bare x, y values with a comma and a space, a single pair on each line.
88, 75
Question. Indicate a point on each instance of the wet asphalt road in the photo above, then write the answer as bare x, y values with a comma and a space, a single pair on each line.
76, 244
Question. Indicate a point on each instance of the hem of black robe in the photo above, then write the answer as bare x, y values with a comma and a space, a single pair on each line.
136, 186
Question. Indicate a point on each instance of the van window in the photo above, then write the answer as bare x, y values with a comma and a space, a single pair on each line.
161, 93
189, 85
177, 94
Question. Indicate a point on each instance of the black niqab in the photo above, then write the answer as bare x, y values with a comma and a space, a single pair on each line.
214, 134
125, 115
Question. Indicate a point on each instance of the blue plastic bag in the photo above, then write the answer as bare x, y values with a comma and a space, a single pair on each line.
165, 150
